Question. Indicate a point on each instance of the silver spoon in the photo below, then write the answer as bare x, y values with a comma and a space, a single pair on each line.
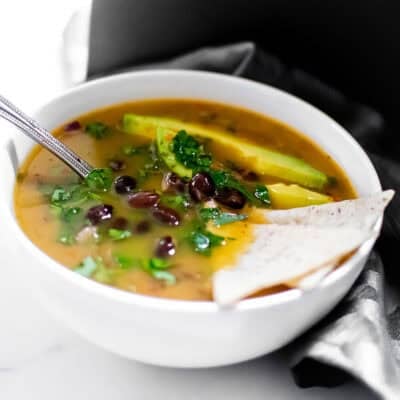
40, 135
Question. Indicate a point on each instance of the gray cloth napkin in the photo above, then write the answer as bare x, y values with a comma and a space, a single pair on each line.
360, 338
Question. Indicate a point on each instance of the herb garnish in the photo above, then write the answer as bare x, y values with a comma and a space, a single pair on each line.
99, 179
203, 241
190, 152
119, 234
94, 268
261, 193
131, 150
67, 238
219, 217
60, 195
165, 276
126, 262
69, 213
154, 266
98, 130
222, 179
179, 202
87, 267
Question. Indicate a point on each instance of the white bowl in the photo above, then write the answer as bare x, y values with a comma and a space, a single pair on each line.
183, 333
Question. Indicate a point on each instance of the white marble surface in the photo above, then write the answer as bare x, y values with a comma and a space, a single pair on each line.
39, 359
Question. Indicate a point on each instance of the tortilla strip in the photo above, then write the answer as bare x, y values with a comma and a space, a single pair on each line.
300, 243
281, 253
360, 213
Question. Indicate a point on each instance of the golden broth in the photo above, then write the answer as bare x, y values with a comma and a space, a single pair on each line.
192, 270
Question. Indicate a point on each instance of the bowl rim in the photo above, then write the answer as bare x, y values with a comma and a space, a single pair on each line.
130, 298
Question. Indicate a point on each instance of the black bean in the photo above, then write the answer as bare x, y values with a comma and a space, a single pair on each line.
165, 247
201, 187
120, 223
231, 198
166, 215
143, 199
143, 226
124, 184
117, 165
173, 183
73, 126
99, 213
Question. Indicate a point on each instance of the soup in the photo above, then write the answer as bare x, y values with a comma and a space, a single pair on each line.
177, 190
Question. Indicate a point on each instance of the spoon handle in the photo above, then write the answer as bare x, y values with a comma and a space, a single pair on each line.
32, 129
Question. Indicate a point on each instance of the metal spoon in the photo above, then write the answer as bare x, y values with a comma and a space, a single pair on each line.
40, 135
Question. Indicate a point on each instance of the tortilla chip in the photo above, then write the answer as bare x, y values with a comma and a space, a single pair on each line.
360, 213
300, 245
281, 253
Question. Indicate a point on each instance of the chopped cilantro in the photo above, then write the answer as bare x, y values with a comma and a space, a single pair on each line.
119, 234
102, 273
126, 262
99, 179
158, 263
208, 214
219, 217
87, 267
69, 213
95, 268
46, 189
97, 129
60, 195
258, 196
156, 267
203, 241
261, 193
165, 276
190, 152
180, 202
130, 150
67, 238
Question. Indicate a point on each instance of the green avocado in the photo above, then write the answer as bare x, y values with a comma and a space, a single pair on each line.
259, 159
163, 142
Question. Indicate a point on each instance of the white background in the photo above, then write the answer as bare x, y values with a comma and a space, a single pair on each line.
40, 359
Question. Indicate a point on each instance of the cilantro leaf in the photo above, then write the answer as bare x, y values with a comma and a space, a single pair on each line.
156, 267
87, 267
165, 276
219, 217
190, 152
94, 268
203, 241
131, 150
98, 130
69, 213
159, 263
119, 234
180, 202
261, 193
99, 179
125, 262
60, 195
67, 238
258, 196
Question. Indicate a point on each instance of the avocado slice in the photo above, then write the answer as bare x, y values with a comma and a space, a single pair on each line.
292, 196
163, 142
260, 160
282, 196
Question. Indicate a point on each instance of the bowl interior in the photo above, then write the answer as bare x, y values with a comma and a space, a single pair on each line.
196, 85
